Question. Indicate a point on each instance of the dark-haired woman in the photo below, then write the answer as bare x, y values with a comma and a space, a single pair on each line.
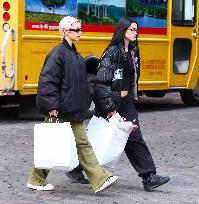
117, 91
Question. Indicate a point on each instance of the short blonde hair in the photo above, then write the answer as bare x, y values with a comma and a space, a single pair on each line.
66, 23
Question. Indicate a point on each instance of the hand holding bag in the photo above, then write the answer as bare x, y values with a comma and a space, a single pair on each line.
54, 146
108, 139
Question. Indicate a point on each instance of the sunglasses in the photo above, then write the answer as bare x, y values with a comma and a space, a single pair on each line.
77, 30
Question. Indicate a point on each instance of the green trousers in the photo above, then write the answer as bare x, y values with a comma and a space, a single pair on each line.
96, 174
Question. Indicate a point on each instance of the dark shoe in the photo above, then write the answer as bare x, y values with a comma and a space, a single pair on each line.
77, 176
153, 181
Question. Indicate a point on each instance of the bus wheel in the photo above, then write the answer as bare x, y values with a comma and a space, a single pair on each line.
191, 97
28, 109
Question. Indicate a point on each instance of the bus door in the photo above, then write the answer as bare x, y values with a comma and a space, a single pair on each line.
184, 42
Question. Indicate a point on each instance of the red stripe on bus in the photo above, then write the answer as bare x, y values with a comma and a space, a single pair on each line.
91, 28
158, 31
111, 29
98, 28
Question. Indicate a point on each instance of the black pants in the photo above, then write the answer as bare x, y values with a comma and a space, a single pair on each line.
136, 148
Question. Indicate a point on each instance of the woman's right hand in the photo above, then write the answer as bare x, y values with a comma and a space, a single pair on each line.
110, 114
53, 113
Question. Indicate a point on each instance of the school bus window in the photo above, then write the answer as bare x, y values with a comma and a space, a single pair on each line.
183, 12
181, 55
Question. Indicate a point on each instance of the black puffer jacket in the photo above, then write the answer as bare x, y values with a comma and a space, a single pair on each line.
110, 75
62, 84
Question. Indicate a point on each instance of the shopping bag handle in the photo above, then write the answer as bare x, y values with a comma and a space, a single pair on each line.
122, 119
50, 119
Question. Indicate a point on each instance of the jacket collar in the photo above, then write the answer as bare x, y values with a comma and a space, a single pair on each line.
66, 44
132, 47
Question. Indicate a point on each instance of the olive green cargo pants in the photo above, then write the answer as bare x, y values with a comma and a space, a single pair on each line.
96, 174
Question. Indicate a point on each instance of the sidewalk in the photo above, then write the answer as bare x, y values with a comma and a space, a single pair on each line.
172, 136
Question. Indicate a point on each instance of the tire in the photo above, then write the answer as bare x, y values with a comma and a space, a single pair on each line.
191, 97
28, 109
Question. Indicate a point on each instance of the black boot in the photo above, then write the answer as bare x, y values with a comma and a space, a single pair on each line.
77, 176
153, 181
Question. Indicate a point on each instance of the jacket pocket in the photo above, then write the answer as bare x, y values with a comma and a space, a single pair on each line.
66, 100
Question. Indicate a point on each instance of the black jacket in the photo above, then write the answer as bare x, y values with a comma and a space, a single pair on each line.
62, 84
110, 76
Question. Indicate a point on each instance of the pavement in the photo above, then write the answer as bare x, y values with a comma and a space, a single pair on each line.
171, 131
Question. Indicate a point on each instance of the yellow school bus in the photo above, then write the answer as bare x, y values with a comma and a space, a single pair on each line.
168, 41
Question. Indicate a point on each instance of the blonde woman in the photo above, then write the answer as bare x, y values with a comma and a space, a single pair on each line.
63, 92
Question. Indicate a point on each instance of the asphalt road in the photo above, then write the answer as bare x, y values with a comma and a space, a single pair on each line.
171, 131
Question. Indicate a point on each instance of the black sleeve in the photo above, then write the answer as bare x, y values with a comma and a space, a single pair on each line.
138, 70
107, 66
103, 99
106, 100
48, 97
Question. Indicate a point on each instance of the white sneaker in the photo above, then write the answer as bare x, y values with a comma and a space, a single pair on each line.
110, 181
47, 187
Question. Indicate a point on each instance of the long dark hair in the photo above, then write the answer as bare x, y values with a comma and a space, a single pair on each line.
118, 36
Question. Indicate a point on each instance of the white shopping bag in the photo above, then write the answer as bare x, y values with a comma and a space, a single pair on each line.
55, 146
108, 139
122, 124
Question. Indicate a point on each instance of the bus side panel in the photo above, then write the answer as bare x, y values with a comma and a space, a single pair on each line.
34, 52
194, 76
154, 64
